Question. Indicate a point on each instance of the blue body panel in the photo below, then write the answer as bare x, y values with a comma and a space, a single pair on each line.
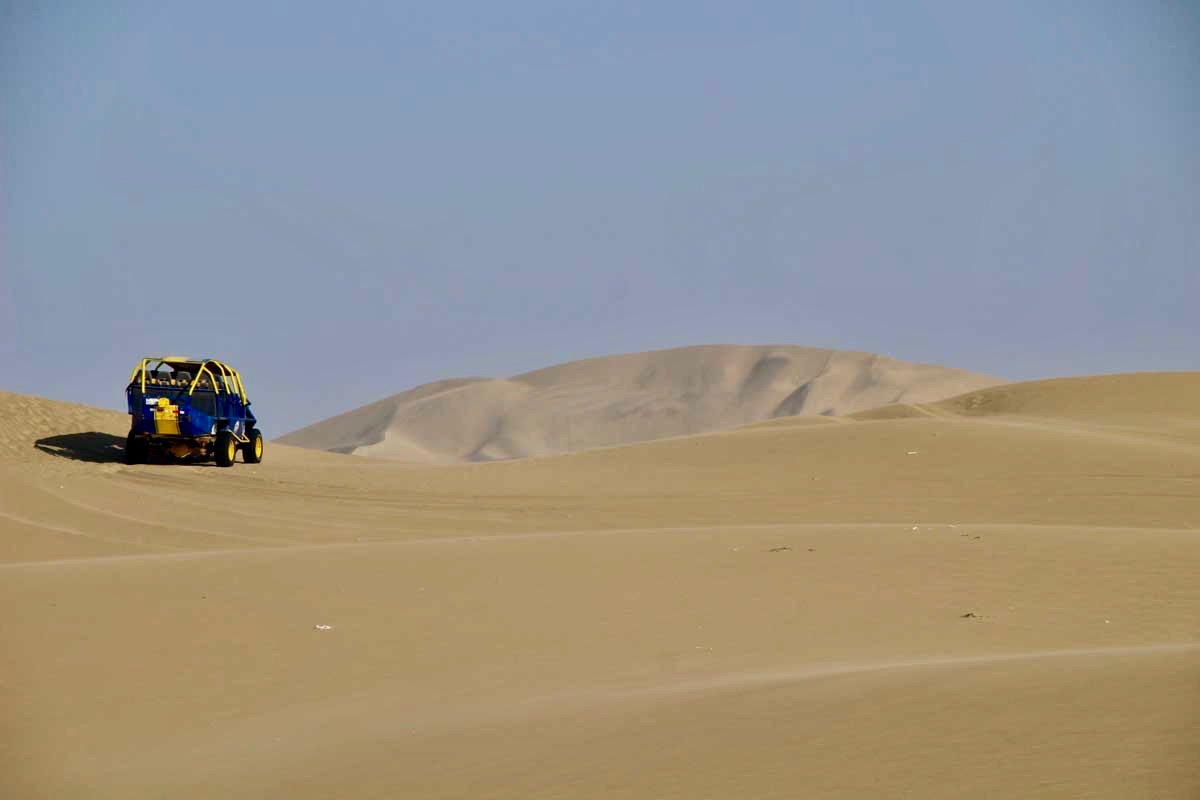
202, 413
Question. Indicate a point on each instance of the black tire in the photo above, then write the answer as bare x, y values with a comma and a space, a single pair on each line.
137, 449
252, 451
226, 448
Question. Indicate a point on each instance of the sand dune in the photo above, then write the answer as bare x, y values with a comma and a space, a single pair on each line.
988, 595
602, 402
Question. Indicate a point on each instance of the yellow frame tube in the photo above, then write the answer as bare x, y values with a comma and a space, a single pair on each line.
142, 369
204, 371
224, 372
235, 380
237, 377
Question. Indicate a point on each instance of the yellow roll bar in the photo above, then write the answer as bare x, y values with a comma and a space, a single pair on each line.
196, 380
142, 369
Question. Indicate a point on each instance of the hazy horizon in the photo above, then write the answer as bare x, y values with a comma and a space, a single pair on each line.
348, 202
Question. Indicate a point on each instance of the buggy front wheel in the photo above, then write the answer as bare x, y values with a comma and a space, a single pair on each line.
252, 451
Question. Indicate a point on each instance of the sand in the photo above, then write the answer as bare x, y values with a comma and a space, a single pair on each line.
993, 595
635, 397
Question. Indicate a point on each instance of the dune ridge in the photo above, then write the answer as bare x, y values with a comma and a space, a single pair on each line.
614, 400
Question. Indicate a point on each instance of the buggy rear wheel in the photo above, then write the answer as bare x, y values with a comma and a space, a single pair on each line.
137, 449
252, 451
226, 448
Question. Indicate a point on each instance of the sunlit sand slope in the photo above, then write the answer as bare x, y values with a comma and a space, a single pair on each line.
934, 602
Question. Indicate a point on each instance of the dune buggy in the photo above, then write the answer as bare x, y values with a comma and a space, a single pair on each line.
190, 409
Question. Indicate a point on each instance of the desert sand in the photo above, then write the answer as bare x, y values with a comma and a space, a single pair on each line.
634, 397
993, 595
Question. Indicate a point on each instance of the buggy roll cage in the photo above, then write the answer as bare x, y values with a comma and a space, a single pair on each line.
231, 382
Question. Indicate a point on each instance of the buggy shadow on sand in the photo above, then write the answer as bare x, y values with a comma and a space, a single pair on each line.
187, 409
93, 446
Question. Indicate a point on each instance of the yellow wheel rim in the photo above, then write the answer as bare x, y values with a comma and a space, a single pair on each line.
258, 447
232, 450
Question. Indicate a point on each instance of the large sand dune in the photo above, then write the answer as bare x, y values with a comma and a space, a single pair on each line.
614, 400
993, 595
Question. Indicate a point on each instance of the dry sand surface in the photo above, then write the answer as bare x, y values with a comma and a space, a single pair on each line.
990, 596
601, 402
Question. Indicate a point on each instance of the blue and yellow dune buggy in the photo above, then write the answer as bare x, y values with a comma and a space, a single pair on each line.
188, 408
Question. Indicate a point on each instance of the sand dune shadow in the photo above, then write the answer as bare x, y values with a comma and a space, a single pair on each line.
91, 446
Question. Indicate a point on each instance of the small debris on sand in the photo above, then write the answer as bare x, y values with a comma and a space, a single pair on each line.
970, 615
323, 627
778, 549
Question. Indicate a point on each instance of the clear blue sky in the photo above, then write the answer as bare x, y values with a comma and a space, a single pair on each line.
348, 199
